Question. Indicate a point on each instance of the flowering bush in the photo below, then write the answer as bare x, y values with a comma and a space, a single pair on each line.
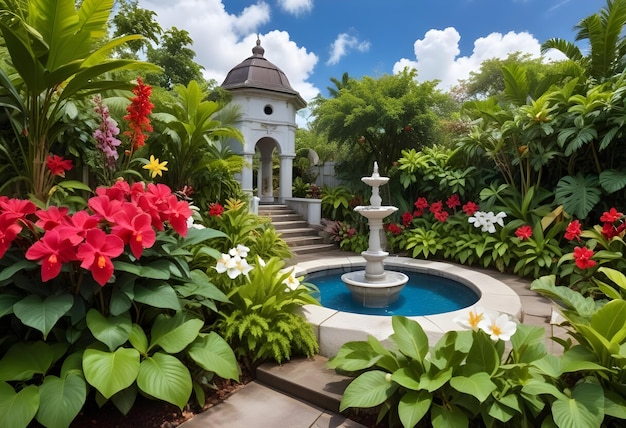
107, 301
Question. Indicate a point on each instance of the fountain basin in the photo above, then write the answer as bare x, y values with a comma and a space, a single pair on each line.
333, 327
375, 294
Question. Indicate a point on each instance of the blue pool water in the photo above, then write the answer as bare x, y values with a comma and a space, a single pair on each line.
423, 295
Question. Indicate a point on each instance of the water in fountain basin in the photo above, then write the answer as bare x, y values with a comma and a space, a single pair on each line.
423, 295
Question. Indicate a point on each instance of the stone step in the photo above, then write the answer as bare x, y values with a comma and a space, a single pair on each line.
292, 224
302, 240
307, 379
298, 231
285, 217
313, 249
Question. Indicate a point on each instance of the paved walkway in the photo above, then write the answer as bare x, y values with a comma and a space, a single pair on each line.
258, 406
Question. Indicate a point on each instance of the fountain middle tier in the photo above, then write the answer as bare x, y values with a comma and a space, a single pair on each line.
377, 292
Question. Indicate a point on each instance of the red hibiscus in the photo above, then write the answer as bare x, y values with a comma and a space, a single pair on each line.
135, 229
178, 213
421, 203
470, 208
407, 217
8, 232
611, 216
441, 216
573, 230
394, 229
582, 256
52, 217
524, 232
57, 165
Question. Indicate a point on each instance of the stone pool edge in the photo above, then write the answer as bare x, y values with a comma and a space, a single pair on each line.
333, 328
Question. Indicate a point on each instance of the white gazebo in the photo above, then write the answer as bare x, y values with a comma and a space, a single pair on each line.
269, 105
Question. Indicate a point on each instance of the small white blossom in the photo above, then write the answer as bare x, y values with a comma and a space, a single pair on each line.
239, 250
472, 318
224, 263
487, 221
291, 282
500, 329
241, 267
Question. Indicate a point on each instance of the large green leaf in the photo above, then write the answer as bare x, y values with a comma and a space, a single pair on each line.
583, 410
157, 295
610, 321
213, 353
153, 271
138, 338
61, 400
413, 407
482, 357
112, 331
368, 390
8, 271
173, 334
196, 236
612, 180
43, 314
6, 303
17, 409
410, 338
165, 377
23, 360
110, 372
578, 195
478, 385
448, 416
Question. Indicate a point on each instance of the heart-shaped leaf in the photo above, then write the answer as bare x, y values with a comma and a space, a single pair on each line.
110, 372
17, 409
212, 353
43, 314
112, 331
23, 360
165, 377
61, 400
173, 334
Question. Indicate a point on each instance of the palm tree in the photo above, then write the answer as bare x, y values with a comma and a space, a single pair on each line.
603, 31
339, 84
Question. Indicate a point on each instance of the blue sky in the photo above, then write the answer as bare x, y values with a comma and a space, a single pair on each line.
314, 40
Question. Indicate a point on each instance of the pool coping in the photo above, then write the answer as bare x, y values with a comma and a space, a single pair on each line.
333, 328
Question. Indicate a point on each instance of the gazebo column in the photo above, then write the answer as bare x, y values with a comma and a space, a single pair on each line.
266, 187
286, 177
246, 174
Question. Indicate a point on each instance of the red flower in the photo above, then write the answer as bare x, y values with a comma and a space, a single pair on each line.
215, 209
16, 209
418, 213
611, 216
135, 228
52, 217
8, 232
421, 204
582, 256
105, 207
53, 251
77, 227
407, 217
394, 229
407, 128
441, 216
436, 207
524, 232
573, 230
138, 111
453, 201
119, 191
609, 231
96, 252
57, 165
178, 213
470, 208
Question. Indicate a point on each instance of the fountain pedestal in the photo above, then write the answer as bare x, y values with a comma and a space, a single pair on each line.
374, 287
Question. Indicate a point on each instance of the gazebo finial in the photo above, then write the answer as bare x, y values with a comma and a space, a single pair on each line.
258, 49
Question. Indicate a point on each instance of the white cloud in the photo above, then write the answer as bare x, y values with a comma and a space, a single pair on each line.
437, 54
222, 40
343, 44
296, 7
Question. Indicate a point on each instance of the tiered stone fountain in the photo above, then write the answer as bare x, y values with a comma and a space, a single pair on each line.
374, 287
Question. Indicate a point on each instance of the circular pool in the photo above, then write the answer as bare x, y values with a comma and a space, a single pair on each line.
424, 294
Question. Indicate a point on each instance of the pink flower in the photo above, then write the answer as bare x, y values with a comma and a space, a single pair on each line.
105, 207
76, 229
582, 256
96, 253
524, 232
453, 201
135, 228
573, 230
178, 213
16, 209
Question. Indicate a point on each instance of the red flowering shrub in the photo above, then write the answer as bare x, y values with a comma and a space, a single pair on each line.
394, 229
216, 209
573, 230
407, 217
582, 257
470, 208
524, 232
614, 225
453, 201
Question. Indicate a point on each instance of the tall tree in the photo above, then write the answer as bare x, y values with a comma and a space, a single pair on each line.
131, 19
381, 116
604, 32
176, 59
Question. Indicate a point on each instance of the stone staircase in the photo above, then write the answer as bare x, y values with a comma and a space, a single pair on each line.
294, 230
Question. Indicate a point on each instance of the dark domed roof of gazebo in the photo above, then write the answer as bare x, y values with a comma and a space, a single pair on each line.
256, 72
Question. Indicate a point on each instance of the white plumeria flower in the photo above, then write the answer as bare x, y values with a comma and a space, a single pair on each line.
241, 267
502, 328
291, 281
473, 317
192, 225
487, 221
239, 250
224, 263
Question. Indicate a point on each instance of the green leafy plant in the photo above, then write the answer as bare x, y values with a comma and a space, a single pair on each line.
336, 202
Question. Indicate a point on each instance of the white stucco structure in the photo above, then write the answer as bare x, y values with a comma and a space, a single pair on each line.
269, 105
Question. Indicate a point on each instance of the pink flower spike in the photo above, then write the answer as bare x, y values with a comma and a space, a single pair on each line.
96, 253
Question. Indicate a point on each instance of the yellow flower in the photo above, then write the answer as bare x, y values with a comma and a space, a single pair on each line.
155, 167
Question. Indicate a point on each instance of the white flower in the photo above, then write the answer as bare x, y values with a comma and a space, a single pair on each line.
239, 250
487, 221
192, 225
224, 263
291, 281
472, 318
241, 267
500, 329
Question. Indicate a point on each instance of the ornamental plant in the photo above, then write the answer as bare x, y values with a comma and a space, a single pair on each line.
470, 378
102, 303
